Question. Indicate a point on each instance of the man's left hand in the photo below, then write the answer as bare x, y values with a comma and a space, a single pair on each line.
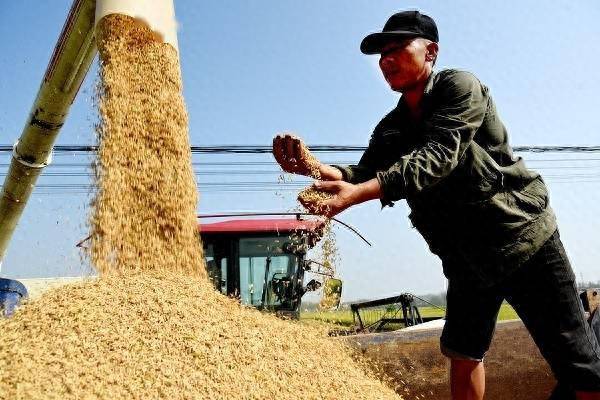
344, 196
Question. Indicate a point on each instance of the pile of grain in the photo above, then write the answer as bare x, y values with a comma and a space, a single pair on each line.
161, 335
152, 326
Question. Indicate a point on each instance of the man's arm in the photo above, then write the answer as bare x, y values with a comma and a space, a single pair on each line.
294, 157
364, 170
344, 195
349, 185
330, 173
448, 133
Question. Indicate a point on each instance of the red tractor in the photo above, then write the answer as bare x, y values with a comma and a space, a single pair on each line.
263, 261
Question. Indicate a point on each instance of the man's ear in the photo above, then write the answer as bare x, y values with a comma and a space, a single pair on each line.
432, 51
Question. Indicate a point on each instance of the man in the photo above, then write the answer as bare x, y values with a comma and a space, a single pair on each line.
445, 151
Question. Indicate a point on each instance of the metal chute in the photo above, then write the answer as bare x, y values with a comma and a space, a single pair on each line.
71, 59
158, 15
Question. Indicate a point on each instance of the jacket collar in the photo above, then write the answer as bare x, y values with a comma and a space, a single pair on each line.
426, 90
429, 85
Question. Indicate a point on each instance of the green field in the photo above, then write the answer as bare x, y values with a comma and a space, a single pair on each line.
343, 318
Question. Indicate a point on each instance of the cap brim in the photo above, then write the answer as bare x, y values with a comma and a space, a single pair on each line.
375, 42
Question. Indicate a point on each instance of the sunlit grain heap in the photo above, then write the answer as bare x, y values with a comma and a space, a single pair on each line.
158, 335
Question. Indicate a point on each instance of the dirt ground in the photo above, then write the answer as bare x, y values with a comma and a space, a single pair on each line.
515, 370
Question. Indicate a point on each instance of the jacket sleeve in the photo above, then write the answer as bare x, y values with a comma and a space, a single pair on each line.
459, 110
365, 169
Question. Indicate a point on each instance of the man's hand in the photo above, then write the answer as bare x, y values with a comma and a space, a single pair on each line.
344, 195
294, 157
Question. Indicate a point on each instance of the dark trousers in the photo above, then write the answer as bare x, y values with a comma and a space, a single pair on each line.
564, 391
544, 294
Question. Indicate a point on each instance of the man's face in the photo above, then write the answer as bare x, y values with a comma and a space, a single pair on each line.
405, 63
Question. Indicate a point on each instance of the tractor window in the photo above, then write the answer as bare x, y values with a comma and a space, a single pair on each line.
216, 267
260, 260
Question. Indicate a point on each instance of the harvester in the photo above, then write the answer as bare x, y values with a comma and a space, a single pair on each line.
263, 262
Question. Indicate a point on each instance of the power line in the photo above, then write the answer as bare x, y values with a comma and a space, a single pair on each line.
250, 172
259, 186
72, 176
260, 149
60, 164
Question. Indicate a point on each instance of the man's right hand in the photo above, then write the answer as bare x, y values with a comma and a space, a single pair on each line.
294, 157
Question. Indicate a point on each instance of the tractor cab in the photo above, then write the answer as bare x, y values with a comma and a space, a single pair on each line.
262, 261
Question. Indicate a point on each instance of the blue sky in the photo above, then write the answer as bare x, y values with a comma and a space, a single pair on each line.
252, 69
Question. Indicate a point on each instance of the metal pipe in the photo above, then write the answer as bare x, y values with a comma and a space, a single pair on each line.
72, 57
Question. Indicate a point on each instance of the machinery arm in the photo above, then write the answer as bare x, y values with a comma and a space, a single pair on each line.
71, 59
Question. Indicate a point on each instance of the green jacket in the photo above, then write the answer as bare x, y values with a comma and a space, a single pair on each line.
477, 206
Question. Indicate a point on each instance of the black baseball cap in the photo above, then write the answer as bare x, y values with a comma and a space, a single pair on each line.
400, 26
